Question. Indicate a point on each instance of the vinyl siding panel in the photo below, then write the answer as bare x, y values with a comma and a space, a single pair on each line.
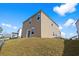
47, 29
34, 23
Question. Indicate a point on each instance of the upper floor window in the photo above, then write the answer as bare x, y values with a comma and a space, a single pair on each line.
38, 17
30, 22
51, 24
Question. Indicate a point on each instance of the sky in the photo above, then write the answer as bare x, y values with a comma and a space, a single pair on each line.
65, 15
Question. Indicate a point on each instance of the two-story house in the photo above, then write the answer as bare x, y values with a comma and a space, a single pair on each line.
40, 25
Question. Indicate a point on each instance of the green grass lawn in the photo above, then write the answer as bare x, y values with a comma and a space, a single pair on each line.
40, 47
32, 46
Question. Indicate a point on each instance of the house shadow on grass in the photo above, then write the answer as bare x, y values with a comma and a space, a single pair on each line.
71, 48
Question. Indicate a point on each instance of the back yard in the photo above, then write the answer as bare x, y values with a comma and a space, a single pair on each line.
40, 47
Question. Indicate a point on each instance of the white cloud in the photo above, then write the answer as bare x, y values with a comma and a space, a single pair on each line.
66, 27
60, 27
65, 8
9, 26
69, 22
63, 34
73, 34
14, 27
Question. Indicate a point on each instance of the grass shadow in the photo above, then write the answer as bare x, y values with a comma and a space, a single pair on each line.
71, 48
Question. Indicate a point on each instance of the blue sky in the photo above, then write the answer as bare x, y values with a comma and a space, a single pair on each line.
65, 15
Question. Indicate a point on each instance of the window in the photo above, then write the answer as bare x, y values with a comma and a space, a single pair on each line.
30, 23
38, 17
51, 24
53, 34
77, 31
33, 30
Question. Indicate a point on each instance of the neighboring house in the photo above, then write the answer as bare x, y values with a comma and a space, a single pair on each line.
40, 25
20, 32
77, 26
74, 37
1, 35
6, 35
14, 35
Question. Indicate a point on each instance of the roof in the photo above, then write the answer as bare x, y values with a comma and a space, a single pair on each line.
37, 13
31, 17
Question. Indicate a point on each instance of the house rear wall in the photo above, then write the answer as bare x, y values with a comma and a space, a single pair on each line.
47, 29
35, 24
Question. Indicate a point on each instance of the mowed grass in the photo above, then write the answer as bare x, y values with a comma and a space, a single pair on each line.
33, 47
40, 47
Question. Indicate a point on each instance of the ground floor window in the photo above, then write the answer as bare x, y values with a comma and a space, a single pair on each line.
33, 30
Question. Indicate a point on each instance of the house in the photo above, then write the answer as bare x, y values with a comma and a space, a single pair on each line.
74, 37
14, 35
1, 35
77, 26
6, 35
20, 32
40, 25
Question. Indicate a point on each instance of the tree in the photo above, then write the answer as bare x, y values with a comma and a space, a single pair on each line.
1, 29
